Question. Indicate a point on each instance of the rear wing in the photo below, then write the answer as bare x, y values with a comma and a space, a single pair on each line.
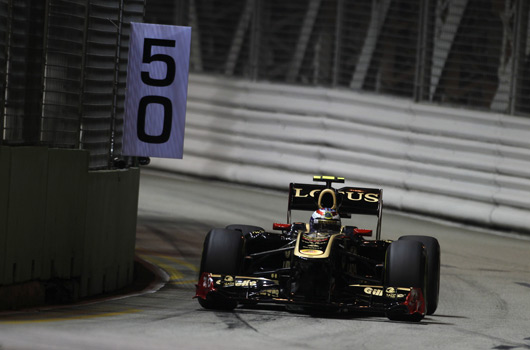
346, 200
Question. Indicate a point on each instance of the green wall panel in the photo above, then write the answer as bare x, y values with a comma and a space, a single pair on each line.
5, 169
65, 213
129, 190
61, 222
26, 214
112, 203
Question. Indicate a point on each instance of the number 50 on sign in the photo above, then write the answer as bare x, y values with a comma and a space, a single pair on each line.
157, 87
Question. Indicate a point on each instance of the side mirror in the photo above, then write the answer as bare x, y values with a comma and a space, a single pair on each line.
282, 227
362, 232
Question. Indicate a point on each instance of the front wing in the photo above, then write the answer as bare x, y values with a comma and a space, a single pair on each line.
356, 297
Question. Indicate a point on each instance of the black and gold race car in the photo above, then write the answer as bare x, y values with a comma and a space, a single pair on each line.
322, 267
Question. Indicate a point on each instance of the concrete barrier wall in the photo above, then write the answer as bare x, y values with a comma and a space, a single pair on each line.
65, 210
24, 253
109, 240
5, 161
63, 225
462, 165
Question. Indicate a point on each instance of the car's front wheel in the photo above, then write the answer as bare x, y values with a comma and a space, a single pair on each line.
405, 267
222, 254
432, 248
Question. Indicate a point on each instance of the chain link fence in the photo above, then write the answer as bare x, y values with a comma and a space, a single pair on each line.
465, 53
63, 62
63, 67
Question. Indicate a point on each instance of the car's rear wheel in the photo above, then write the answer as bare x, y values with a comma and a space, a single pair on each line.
405, 267
222, 254
432, 247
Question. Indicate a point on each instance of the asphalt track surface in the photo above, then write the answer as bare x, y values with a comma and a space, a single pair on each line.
484, 297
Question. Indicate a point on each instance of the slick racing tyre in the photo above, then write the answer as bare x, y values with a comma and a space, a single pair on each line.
405, 267
432, 248
222, 254
245, 229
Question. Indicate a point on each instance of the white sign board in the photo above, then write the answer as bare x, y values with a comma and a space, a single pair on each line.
157, 88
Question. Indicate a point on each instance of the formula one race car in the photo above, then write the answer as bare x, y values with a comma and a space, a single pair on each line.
322, 266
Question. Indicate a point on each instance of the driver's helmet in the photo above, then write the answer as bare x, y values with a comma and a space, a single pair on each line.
325, 220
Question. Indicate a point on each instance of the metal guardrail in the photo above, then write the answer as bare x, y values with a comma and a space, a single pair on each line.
465, 166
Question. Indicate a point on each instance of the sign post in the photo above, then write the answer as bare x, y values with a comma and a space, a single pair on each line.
157, 88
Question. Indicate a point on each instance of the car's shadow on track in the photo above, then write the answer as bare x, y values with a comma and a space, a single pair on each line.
281, 311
